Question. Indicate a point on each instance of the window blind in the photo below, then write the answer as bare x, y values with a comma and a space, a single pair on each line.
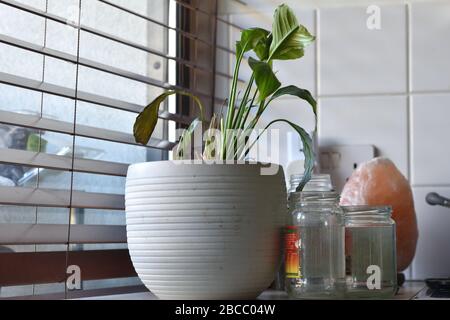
73, 76
229, 27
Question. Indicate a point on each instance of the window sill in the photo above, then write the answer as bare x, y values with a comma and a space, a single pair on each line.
408, 292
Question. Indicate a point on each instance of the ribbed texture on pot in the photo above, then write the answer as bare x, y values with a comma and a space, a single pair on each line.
198, 231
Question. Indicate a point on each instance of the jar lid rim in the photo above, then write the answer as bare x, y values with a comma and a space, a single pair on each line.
319, 175
312, 193
323, 178
311, 196
366, 210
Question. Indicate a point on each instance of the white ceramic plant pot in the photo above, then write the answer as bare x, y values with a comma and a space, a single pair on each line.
198, 231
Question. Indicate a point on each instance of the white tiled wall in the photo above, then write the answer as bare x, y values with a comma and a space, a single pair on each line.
376, 120
389, 88
430, 52
430, 128
356, 60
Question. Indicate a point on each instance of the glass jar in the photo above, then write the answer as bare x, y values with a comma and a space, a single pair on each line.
314, 247
318, 182
370, 251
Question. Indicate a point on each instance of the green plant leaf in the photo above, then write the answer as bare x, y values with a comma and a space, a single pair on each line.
147, 120
307, 150
253, 39
265, 78
297, 92
250, 38
289, 37
262, 48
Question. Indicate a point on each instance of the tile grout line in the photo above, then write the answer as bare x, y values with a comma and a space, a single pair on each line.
317, 52
317, 133
434, 185
317, 70
409, 104
382, 94
385, 94
408, 88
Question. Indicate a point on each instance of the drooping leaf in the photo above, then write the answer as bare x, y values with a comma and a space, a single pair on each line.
289, 37
307, 150
265, 78
297, 92
147, 120
251, 39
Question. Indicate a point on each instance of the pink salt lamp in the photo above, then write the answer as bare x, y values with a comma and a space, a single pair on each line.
379, 183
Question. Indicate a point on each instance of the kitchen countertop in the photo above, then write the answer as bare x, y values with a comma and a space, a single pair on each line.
409, 291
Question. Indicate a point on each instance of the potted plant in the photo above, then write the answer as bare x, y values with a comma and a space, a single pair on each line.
210, 229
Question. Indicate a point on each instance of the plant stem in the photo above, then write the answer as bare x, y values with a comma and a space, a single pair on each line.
237, 120
247, 112
231, 103
252, 126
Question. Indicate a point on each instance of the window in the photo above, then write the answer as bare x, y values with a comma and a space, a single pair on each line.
73, 76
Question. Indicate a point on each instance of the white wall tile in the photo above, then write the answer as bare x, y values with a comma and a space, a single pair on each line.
354, 59
378, 121
430, 46
433, 254
260, 19
430, 139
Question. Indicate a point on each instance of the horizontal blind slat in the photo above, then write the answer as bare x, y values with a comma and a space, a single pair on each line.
110, 69
35, 85
22, 234
96, 65
80, 294
178, 30
36, 122
50, 267
60, 198
102, 34
62, 163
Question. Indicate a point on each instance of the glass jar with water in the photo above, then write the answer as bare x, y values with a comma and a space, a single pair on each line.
370, 252
319, 183
314, 246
